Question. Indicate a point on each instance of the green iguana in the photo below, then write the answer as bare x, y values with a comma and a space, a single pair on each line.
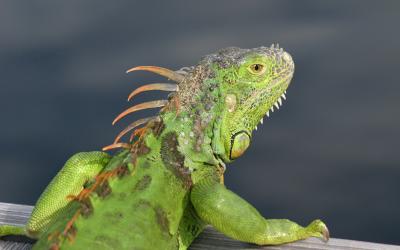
166, 182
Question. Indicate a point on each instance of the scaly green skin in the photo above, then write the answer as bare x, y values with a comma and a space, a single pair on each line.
160, 193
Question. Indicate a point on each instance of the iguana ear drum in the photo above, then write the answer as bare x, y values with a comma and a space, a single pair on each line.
239, 143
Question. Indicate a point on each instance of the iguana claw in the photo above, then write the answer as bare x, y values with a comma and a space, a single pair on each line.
318, 229
325, 234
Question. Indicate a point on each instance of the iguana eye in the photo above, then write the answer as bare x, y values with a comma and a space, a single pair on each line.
257, 68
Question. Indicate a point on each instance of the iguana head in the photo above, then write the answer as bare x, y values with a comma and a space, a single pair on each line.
218, 103
252, 83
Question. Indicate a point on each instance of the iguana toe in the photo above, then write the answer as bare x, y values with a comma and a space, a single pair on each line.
318, 229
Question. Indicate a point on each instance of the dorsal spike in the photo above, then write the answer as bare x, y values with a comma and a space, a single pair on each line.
141, 106
170, 74
117, 145
184, 70
154, 86
138, 132
132, 126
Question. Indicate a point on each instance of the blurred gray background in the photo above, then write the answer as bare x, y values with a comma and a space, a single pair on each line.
331, 152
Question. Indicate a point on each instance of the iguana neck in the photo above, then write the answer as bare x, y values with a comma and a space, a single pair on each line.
191, 115
194, 130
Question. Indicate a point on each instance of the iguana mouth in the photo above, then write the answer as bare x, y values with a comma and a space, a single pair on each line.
240, 140
277, 105
265, 101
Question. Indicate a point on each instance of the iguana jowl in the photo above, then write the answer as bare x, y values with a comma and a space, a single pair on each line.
166, 183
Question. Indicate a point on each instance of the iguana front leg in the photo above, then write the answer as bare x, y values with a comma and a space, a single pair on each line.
236, 218
70, 180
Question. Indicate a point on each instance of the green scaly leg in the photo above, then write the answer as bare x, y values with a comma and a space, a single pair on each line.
70, 180
236, 218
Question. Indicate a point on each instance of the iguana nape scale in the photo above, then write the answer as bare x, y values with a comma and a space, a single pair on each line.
166, 182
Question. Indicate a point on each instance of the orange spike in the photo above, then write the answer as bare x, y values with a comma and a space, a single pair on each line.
54, 247
83, 194
132, 126
138, 132
70, 223
176, 77
154, 86
141, 106
117, 145
53, 234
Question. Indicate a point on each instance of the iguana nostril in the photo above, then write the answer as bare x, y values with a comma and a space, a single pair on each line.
239, 143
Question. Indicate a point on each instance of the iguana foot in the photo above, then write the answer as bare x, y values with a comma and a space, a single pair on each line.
318, 229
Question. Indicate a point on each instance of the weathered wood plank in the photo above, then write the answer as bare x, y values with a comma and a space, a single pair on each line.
210, 239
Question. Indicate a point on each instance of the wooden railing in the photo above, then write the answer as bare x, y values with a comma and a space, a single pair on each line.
13, 214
